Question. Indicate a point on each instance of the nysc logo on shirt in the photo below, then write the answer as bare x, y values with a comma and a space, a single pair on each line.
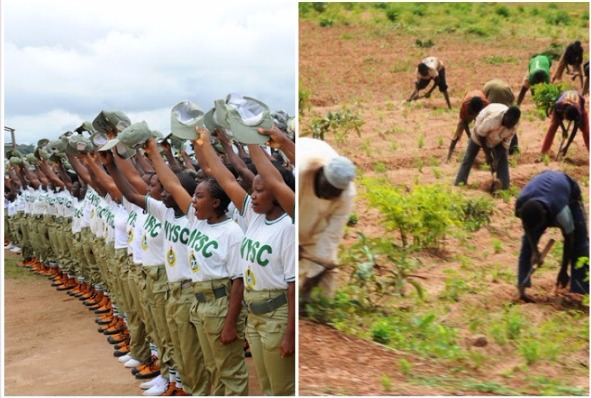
144, 242
129, 236
249, 279
171, 257
193, 263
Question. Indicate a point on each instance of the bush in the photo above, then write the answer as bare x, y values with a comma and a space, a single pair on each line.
340, 123
546, 95
392, 14
502, 11
559, 17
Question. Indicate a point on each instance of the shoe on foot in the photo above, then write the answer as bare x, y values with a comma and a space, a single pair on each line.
180, 392
132, 363
146, 385
159, 388
121, 352
150, 370
124, 358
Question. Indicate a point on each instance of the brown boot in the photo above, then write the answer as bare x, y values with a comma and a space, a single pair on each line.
95, 300
150, 370
70, 284
171, 389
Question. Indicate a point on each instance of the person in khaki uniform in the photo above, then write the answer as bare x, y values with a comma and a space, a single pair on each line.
217, 312
268, 264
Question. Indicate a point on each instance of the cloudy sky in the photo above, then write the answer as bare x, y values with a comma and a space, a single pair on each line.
66, 60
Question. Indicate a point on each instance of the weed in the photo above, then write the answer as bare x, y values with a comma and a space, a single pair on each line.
340, 123
326, 22
502, 11
380, 167
303, 98
546, 159
559, 17
392, 14
513, 321
393, 145
497, 246
380, 332
530, 350
421, 141
386, 382
405, 367
352, 220
424, 43
419, 163
546, 95
497, 60
543, 385
437, 173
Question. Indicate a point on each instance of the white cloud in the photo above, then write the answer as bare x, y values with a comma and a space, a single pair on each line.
66, 57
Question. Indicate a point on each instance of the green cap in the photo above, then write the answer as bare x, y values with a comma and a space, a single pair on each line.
14, 152
184, 117
245, 116
216, 117
85, 126
42, 142
78, 144
41, 153
15, 160
107, 121
56, 146
133, 137
31, 159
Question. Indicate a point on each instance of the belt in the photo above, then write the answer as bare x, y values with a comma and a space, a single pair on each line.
184, 284
218, 292
263, 307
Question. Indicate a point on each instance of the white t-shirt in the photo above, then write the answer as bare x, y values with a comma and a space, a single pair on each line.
133, 232
152, 241
234, 214
120, 218
78, 215
267, 250
176, 236
214, 249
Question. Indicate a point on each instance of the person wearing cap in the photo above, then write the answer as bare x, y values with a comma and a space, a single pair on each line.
553, 199
569, 106
217, 279
499, 92
572, 57
538, 71
430, 69
493, 131
268, 263
472, 104
326, 197
187, 355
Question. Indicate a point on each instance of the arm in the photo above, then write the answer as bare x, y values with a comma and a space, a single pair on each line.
102, 177
172, 162
126, 168
50, 174
229, 333
124, 186
288, 343
223, 176
143, 163
235, 161
187, 160
168, 179
280, 141
273, 179
521, 95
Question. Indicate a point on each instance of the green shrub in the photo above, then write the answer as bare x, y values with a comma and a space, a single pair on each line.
546, 95
326, 22
340, 123
392, 14
502, 11
559, 17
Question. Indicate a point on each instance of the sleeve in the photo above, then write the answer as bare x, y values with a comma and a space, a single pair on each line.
565, 220
234, 266
247, 213
156, 208
333, 233
485, 123
288, 254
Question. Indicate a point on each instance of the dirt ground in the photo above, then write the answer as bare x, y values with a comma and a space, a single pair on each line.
52, 347
356, 67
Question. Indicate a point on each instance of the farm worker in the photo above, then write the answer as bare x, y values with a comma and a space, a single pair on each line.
553, 199
326, 191
430, 68
572, 56
493, 130
538, 71
500, 92
570, 106
472, 104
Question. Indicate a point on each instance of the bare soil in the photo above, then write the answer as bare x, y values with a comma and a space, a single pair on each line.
373, 74
52, 346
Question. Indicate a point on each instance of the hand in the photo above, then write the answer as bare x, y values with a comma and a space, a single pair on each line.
222, 137
151, 146
203, 136
229, 333
287, 347
106, 157
276, 137
563, 279
536, 259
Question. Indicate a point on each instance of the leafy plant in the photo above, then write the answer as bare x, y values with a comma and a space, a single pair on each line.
340, 123
303, 98
428, 43
546, 95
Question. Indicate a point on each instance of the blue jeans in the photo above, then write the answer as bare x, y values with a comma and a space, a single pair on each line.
499, 152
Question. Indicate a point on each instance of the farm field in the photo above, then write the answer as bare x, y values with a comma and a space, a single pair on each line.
435, 311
